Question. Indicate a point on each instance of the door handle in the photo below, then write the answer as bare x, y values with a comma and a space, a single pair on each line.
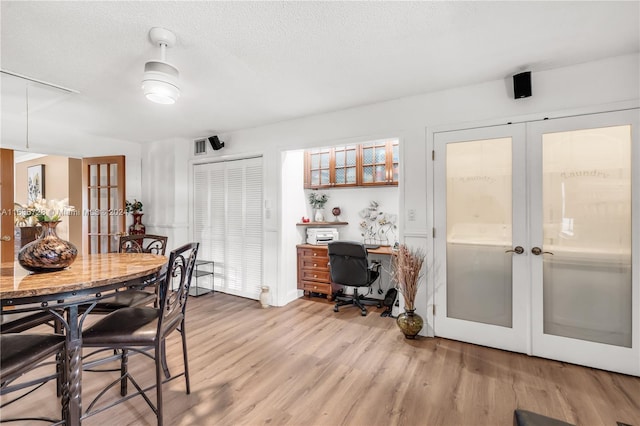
538, 251
516, 250
6, 238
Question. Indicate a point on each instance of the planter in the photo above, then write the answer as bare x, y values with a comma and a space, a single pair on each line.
137, 228
410, 323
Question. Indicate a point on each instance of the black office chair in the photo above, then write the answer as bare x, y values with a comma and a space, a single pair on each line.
350, 266
139, 329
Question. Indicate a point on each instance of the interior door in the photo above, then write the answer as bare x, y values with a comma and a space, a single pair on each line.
6, 206
568, 224
585, 182
103, 199
228, 223
480, 261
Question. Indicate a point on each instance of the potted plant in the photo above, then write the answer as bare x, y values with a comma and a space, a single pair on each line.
317, 201
407, 272
135, 208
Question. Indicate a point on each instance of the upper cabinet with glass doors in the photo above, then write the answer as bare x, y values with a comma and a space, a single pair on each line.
379, 162
371, 163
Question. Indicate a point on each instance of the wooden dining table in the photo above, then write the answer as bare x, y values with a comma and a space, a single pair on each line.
89, 279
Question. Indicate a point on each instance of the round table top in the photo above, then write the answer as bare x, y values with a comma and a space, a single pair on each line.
91, 271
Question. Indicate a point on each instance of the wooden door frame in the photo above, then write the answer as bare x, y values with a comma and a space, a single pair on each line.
7, 252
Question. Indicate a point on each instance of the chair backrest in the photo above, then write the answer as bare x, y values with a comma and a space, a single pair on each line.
174, 289
145, 243
349, 264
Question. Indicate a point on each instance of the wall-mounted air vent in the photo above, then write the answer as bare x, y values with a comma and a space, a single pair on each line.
200, 146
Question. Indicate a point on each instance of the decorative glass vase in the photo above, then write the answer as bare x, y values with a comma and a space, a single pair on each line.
49, 252
318, 216
410, 323
137, 227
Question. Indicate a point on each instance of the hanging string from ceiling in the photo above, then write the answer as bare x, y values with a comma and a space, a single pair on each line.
27, 108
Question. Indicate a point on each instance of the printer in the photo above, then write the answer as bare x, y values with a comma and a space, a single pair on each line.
319, 236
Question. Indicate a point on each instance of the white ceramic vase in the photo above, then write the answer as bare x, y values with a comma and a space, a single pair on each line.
264, 296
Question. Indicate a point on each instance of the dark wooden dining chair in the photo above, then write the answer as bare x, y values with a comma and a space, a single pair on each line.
24, 353
144, 330
145, 243
17, 323
154, 244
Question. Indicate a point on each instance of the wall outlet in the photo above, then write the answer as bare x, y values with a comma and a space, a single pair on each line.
411, 215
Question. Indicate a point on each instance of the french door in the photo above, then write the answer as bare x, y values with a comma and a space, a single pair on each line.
480, 219
103, 202
536, 247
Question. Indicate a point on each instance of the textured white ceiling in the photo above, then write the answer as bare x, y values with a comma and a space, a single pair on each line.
244, 64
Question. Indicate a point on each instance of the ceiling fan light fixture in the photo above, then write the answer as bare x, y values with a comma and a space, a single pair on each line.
160, 82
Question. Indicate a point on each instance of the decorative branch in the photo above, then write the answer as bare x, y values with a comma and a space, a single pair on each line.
407, 272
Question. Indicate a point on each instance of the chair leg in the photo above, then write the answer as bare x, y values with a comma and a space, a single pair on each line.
61, 372
165, 366
124, 366
159, 355
183, 333
358, 303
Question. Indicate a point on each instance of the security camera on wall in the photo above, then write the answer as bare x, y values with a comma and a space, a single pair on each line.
215, 142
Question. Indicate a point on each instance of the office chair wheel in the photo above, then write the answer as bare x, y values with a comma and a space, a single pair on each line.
335, 309
363, 312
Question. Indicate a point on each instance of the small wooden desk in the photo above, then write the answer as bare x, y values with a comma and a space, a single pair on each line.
314, 275
385, 250
86, 281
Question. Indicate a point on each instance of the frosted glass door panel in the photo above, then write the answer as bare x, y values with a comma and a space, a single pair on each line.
586, 177
479, 224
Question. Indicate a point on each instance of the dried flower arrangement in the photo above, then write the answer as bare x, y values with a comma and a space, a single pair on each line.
407, 271
42, 210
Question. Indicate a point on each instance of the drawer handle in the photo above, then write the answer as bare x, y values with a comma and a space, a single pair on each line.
315, 254
315, 276
315, 287
315, 264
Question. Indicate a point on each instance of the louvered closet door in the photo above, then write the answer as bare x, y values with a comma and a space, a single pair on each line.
228, 223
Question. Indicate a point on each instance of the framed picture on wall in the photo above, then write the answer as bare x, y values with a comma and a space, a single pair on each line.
35, 182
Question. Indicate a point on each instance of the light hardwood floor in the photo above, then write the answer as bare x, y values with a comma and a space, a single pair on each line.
303, 364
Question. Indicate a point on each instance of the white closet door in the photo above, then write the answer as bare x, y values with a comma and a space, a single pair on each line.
253, 228
228, 223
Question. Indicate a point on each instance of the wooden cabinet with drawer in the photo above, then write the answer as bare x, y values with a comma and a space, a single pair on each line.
313, 270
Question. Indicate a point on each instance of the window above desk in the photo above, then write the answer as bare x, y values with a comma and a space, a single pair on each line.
373, 163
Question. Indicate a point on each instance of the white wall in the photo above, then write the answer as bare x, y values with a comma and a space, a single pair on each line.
45, 138
594, 86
